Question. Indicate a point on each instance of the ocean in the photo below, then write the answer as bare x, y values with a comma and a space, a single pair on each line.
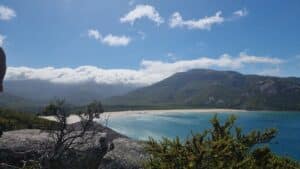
143, 126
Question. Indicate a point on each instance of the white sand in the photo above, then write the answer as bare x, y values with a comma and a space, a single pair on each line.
107, 115
71, 119
154, 112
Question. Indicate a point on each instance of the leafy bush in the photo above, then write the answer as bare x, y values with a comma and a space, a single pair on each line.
61, 151
222, 147
13, 120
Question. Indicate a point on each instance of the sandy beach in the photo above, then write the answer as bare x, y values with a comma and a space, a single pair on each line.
170, 111
115, 114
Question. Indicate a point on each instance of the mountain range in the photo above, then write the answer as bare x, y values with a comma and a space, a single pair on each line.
199, 88
204, 88
41, 92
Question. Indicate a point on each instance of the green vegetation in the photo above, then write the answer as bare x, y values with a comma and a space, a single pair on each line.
62, 149
216, 89
199, 88
65, 137
13, 120
17, 103
222, 147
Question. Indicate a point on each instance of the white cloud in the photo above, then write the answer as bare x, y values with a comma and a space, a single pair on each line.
149, 72
270, 72
205, 23
93, 33
112, 40
241, 12
74, 75
6, 13
142, 11
245, 58
109, 39
2, 38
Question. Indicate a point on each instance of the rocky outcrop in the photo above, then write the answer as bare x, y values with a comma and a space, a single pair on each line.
6, 166
24, 145
127, 154
124, 153
19, 145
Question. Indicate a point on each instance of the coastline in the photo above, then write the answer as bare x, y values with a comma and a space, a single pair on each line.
170, 111
106, 115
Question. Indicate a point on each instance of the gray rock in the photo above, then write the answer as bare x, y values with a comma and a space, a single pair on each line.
33, 139
6, 166
17, 146
124, 153
127, 154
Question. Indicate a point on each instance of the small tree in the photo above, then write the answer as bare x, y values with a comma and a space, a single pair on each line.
222, 147
65, 137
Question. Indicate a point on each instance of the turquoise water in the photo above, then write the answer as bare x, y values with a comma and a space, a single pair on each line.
181, 124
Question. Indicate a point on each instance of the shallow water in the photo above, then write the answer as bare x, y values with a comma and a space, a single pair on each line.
181, 124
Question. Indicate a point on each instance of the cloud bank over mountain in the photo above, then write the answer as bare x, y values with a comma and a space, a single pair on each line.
150, 71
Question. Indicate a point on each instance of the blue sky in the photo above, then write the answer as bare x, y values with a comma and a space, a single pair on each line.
253, 36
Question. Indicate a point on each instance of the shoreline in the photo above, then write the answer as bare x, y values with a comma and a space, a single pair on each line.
116, 114
170, 111
119, 114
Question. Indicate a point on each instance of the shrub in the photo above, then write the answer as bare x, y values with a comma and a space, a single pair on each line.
60, 150
13, 120
222, 147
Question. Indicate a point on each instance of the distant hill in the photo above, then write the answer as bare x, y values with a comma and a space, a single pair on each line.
22, 92
216, 89
17, 103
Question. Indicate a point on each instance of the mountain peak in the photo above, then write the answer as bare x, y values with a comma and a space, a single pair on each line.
205, 88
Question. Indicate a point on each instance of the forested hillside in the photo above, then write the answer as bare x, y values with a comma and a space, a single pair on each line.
217, 89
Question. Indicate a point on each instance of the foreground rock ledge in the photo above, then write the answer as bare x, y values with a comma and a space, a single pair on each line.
127, 154
26, 144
